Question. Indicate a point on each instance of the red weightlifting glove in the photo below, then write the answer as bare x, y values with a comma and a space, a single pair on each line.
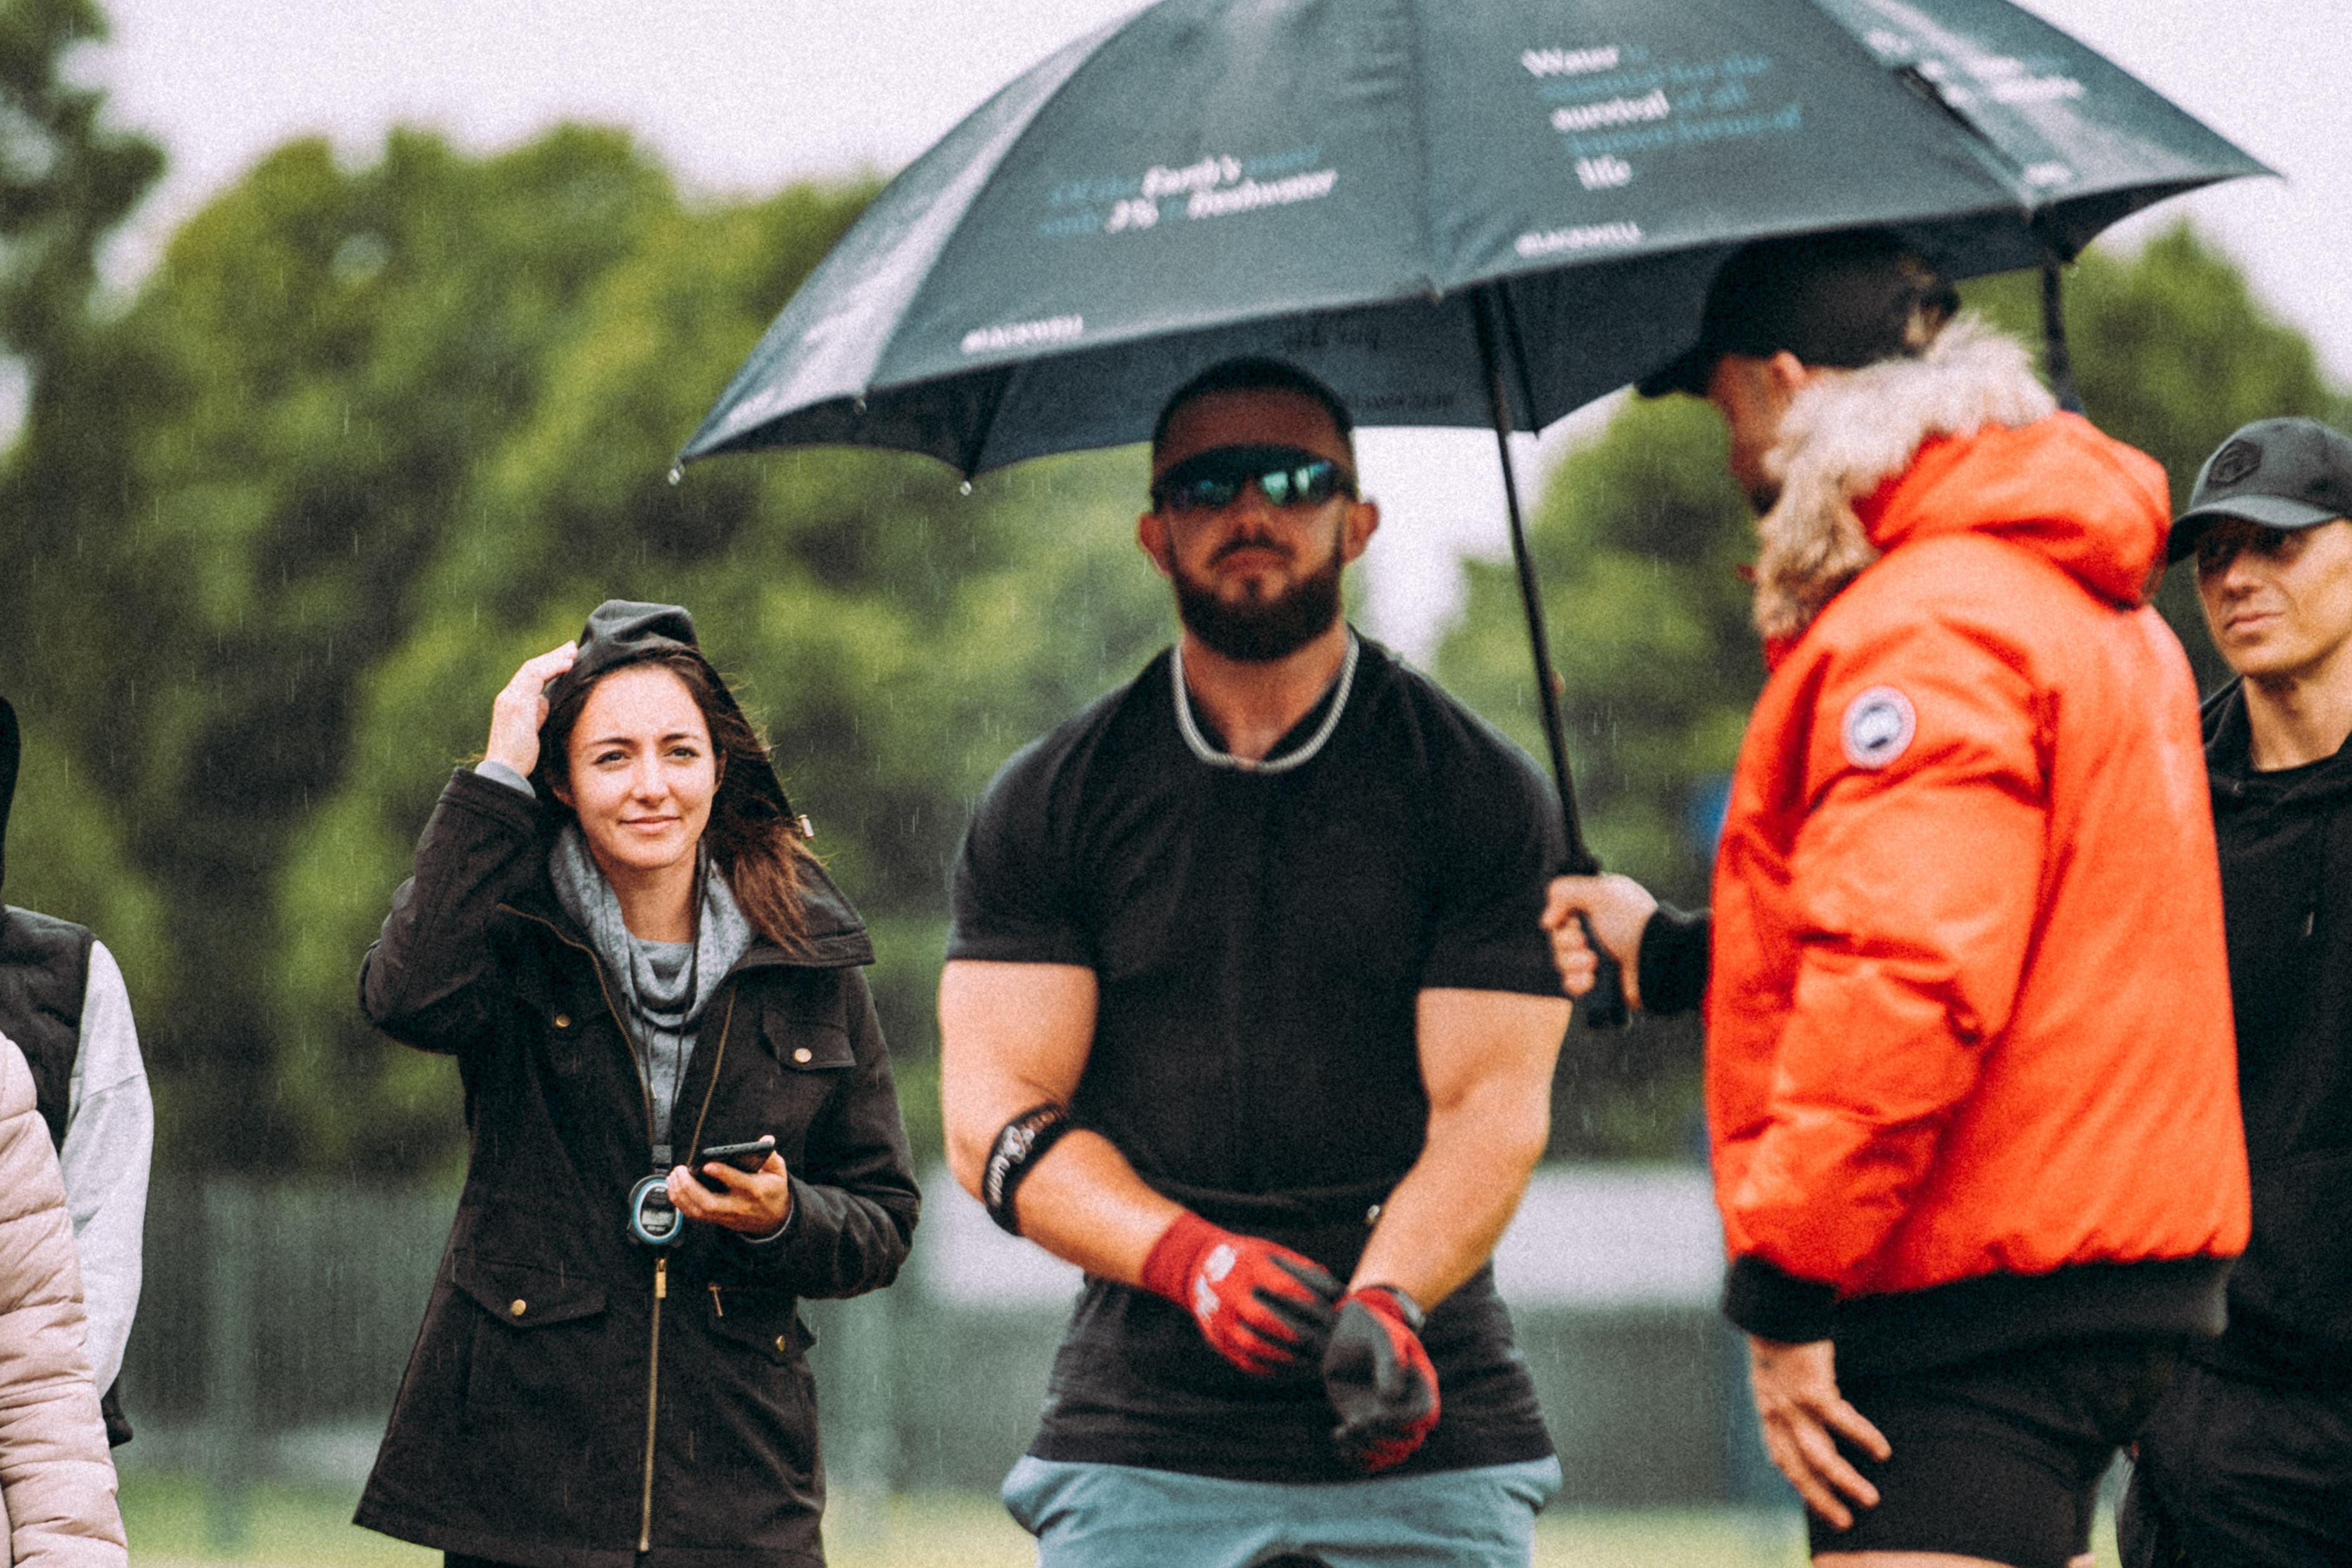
1379, 1378
1262, 1307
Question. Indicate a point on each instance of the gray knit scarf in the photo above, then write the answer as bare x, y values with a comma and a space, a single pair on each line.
664, 1008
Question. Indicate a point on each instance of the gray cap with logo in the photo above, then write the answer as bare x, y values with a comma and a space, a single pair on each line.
2276, 473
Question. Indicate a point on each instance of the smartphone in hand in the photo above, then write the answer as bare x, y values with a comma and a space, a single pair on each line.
745, 1157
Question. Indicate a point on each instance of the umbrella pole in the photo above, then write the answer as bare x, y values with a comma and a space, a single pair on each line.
2058, 360
1604, 1005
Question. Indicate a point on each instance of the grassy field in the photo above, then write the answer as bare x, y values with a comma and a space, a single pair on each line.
294, 1528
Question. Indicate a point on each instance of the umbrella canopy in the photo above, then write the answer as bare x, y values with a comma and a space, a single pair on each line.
1335, 181
2084, 142
1454, 212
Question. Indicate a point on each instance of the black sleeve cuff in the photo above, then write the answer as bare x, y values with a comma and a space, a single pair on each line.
1773, 1304
792, 1219
1673, 961
484, 796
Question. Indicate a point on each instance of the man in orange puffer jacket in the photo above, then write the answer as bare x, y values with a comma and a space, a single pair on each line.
1970, 1079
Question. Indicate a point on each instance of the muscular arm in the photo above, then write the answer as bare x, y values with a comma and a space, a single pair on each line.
1014, 1035
1487, 1063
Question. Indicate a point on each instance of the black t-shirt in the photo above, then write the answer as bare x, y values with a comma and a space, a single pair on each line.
1259, 939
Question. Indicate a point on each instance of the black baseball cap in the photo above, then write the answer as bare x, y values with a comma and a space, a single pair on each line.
1843, 299
627, 631
624, 631
2277, 473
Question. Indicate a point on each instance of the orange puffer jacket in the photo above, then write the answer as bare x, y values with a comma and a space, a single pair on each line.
1970, 1073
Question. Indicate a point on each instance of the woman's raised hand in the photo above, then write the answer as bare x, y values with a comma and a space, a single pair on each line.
518, 710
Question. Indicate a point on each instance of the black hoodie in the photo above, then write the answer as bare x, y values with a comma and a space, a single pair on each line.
2286, 840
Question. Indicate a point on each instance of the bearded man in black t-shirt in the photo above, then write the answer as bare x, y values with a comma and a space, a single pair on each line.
1247, 1013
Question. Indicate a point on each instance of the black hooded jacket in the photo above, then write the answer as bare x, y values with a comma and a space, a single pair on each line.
576, 1400
573, 1394
2285, 841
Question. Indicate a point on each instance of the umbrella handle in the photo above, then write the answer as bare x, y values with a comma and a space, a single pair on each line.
1603, 1007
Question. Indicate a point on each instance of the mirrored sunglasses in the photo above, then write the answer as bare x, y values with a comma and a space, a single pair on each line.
1287, 476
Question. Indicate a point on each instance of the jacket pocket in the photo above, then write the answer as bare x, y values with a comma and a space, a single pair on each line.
569, 1031
745, 1401
787, 1084
541, 1352
809, 1045
524, 1296
766, 1322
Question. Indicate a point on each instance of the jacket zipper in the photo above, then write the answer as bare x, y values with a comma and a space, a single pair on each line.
653, 1403
661, 1260
661, 1287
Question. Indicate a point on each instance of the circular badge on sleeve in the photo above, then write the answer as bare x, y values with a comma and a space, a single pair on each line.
1879, 724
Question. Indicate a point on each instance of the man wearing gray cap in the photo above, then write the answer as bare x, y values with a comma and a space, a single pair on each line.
2247, 1461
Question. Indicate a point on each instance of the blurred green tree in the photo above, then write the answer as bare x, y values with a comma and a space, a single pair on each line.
285, 422
384, 432
1638, 539
66, 180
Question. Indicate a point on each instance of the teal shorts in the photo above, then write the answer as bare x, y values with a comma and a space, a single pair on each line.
1124, 1516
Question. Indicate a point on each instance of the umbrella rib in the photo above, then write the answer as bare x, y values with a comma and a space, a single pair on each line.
1418, 56
1087, 49
992, 394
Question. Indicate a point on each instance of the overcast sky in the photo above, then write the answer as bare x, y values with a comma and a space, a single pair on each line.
746, 95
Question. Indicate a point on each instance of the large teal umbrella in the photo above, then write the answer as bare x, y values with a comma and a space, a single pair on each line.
1457, 212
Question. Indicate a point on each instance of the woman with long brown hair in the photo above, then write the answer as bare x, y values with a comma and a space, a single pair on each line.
682, 1122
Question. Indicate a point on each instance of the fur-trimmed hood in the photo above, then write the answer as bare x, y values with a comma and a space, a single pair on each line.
1962, 439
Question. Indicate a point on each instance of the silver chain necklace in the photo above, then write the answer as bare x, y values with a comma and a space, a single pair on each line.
1191, 729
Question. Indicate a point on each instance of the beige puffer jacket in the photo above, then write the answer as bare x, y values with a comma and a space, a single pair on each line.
56, 1479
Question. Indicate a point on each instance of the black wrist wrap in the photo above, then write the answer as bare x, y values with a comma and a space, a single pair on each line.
1020, 1145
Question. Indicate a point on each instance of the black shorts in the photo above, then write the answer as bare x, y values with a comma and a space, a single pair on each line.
2000, 1457
2242, 1473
